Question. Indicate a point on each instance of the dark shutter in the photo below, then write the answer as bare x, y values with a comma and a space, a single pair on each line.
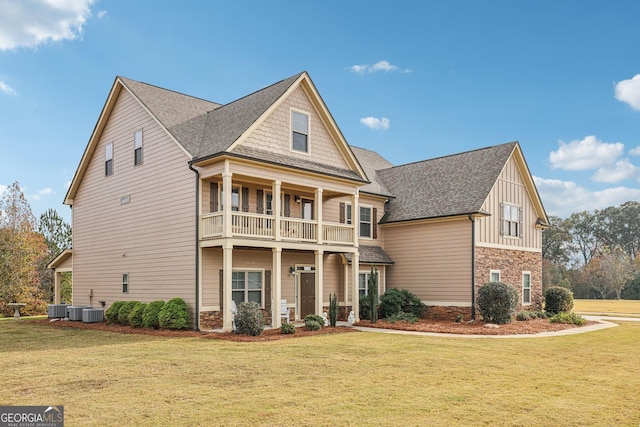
245, 199
260, 201
267, 290
213, 197
221, 289
287, 205
374, 223
343, 215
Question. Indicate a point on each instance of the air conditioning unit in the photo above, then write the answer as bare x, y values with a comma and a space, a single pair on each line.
57, 311
75, 312
92, 315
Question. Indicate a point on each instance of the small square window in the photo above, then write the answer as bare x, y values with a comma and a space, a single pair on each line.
108, 160
300, 129
137, 148
494, 276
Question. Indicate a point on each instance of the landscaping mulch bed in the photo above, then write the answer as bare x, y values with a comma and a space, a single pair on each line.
532, 326
439, 326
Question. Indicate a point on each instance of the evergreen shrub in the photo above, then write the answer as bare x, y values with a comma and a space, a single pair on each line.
174, 314
123, 314
113, 311
395, 301
249, 319
558, 300
497, 302
150, 315
135, 316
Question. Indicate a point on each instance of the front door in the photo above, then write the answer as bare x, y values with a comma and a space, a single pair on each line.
307, 293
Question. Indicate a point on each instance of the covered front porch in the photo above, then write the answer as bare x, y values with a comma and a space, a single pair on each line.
302, 274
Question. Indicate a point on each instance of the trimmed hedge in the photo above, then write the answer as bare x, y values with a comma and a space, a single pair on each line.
558, 300
497, 302
135, 316
395, 301
150, 315
174, 314
287, 328
310, 318
113, 311
249, 319
123, 314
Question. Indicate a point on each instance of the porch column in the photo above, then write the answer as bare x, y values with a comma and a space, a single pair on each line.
345, 269
355, 269
275, 190
319, 280
57, 279
227, 269
276, 288
227, 189
320, 229
355, 219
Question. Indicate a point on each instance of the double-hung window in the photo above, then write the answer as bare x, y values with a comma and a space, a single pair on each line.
137, 148
363, 283
246, 286
125, 283
511, 221
494, 275
300, 132
108, 160
526, 287
365, 221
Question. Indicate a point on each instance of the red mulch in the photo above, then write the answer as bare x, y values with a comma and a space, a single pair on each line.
442, 326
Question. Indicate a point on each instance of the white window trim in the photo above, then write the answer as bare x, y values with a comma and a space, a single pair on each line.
526, 273
294, 110
221, 197
267, 193
519, 222
371, 222
348, 214
246, 289
492, 272
125, 282
367, 274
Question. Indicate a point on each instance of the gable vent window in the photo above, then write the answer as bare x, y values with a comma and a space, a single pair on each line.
108, 160
137, 148
300, 128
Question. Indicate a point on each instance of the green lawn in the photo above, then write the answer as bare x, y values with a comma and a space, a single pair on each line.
629, 308
353, 379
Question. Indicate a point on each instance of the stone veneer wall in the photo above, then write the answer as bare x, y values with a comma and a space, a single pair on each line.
511, 264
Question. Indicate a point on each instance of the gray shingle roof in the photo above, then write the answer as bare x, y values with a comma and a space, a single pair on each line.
447, 186
372, 162
371, 255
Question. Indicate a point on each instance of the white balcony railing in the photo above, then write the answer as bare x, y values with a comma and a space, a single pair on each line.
244, 224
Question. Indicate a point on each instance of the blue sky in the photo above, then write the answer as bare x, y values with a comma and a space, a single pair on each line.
409, 79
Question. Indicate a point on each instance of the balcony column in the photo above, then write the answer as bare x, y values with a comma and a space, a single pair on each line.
277, 206
319, 280
276, 288
227, 189
57, 280
318, 216
227, 277
355, 219
355, 269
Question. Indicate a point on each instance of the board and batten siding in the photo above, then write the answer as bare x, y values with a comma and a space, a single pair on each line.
509, 188
432, 260
151, 238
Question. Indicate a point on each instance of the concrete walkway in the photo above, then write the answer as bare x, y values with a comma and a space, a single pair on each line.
603, 323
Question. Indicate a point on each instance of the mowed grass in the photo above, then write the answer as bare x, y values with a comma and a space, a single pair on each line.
354, 379
629, 308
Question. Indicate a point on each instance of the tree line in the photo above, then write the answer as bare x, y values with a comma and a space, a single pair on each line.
595, 254
27, 245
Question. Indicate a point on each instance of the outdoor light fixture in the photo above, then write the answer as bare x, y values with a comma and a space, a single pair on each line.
292, 270
296, 198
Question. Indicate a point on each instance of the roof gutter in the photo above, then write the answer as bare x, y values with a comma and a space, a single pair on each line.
196, 325
473, 267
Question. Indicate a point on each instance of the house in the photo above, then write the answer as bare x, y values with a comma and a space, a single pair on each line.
262, 199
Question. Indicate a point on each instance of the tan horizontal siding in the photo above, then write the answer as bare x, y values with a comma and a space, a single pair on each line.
155, 231
431, 260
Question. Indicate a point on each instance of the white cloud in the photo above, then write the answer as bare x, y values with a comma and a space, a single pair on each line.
635, 151
7, 89
383, 65
629, 91
589, 153
562, 198
30, 23
375, 123
102, 14
44, 192
620, 171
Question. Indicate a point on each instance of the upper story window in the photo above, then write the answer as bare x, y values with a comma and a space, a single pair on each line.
108, 160
365, 221
300, 132
137, 148
511, 220
269, 203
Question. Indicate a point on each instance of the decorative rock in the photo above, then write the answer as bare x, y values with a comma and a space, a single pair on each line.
491, 326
